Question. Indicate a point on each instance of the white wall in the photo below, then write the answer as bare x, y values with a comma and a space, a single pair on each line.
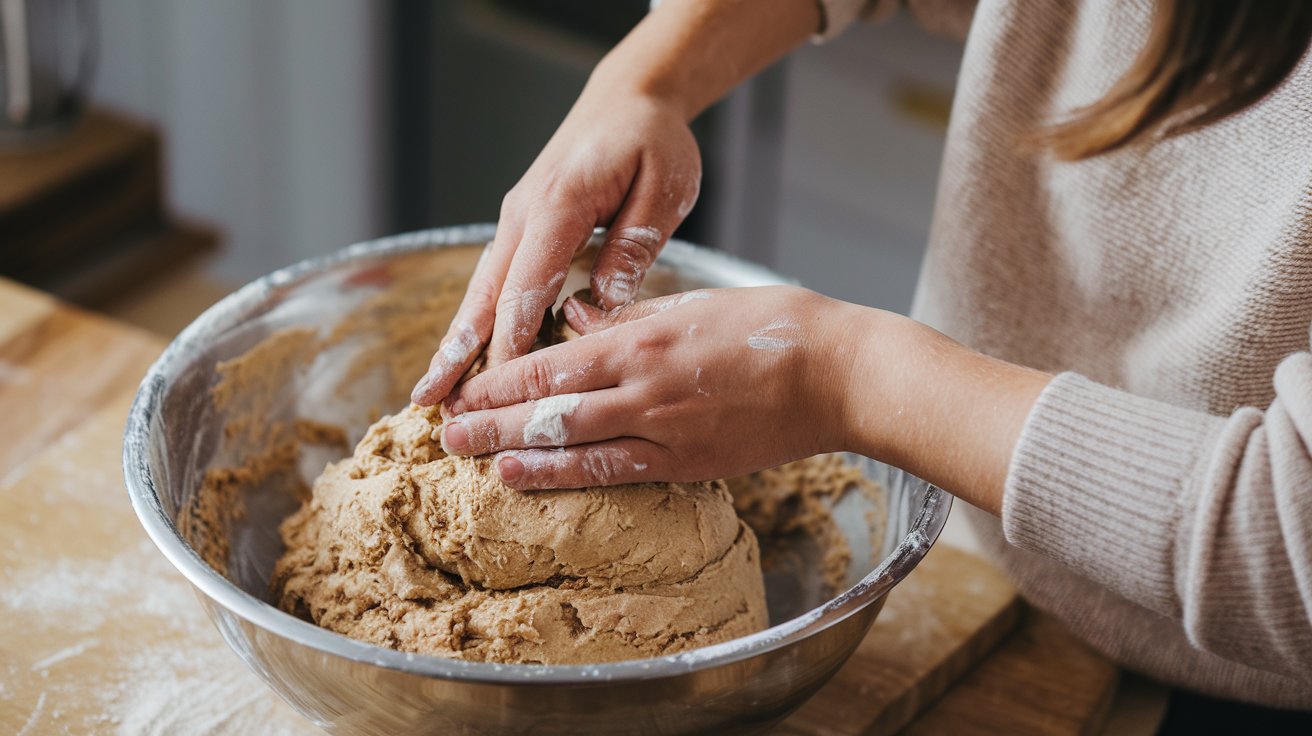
274, 114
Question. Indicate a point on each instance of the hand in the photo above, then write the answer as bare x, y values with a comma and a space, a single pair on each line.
721, 382
622, 160
694, 386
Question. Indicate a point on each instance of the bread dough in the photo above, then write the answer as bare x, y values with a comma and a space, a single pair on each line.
407, 547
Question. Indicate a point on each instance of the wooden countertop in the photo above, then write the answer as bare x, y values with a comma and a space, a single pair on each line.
101, 635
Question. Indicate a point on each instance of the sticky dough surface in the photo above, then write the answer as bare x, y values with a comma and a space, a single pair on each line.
404, 546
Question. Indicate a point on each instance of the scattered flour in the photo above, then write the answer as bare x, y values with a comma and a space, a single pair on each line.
35, 717
194, 692
603, 464
537, 461
666, 304
185, 682
778, 335
529, 304
608, 464
546, 425
561, 378
464, 341
697, 382
63, 654
76, 591
620, 284
648, 237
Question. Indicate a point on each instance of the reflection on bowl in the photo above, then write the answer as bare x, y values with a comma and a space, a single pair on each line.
385, 293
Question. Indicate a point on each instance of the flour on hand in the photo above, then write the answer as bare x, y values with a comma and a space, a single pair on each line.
546, 425
780, 334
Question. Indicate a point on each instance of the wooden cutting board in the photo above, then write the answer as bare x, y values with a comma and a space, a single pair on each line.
101, 635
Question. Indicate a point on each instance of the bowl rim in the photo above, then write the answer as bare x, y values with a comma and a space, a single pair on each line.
141, 485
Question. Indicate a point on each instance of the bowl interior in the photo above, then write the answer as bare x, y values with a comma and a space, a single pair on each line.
309, 357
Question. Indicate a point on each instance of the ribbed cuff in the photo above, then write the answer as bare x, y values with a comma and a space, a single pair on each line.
837, 15
1098, 481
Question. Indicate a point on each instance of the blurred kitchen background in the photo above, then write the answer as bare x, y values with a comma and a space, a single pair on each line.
261, 132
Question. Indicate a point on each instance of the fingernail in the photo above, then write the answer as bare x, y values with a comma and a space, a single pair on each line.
420, 393
455, 438
510, 468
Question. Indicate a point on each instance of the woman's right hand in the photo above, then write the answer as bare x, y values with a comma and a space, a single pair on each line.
622, 160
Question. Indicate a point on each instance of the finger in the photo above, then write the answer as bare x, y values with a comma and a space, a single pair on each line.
570, 367
653, 209
472, 324
586, 319
556, 421
622, 263
533, 282
625, 460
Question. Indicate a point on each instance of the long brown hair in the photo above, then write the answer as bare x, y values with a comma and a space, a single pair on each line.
1204, 60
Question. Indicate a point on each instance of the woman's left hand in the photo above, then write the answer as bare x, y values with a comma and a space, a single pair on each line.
694, 386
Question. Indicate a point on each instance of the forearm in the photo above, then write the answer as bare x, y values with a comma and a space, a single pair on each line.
691, 52
1201, 518
925, 403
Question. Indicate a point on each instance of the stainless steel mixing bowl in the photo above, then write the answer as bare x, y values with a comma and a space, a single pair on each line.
175, 433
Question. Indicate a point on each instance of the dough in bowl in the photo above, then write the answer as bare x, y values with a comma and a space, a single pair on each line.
407, 547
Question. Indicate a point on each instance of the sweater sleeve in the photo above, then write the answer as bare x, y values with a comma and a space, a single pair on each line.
1204, 519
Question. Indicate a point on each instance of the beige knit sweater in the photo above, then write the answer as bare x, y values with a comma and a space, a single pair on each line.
1160, 497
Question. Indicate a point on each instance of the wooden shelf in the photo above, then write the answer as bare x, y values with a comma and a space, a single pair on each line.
82, 215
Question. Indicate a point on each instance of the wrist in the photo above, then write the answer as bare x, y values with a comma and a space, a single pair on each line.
838, 376
948, 414
689, 53
868, 402
615, 85
636, 70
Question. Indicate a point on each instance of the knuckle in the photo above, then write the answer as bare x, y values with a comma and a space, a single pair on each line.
517, 312
656, 414
630, 251
470, 393
648, 345
538, 377
485, 436
554, 188
512, 202
480, 294
510, 302
601, 466
549, 469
